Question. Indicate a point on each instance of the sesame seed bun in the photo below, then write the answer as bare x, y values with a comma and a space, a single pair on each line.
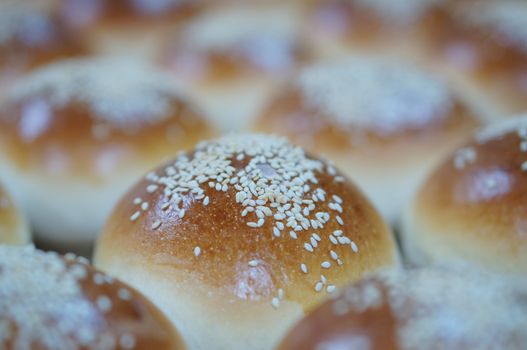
416, 309
51, 302
75, 134
231, 56
128, 27
30, 36
483, 46
383, 122
13, 226
242, 237
393, 27
472, 207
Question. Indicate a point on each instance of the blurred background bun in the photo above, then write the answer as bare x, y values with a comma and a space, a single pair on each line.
416, 309
51, 302
76, 134
382, 121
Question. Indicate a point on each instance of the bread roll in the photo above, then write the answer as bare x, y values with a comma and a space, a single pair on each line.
386, 27
30, 35
52, 303
472, 207
241, 237
76, 134
232, 56
134, 27
13, 226
383, 122
483, 45
419, 309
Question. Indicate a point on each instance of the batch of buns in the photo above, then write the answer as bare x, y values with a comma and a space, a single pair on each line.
264, 174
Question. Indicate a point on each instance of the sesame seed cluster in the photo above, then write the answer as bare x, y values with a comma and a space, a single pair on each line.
119, 91
273, 182
385, 96
433, 305
42, 303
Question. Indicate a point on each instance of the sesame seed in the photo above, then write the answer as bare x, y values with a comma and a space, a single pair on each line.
156, 225
339, 220
253, 263
252, 224
317, 237
326, 265
124, 294
206, 201
104, 303
323, 279
303, 267
181, 213
135, 216
197, 251
333, 239
144, 206
354, 247
276, 232
275, 303
127, 341
334, 255
151, 188
331, 288
319, 286
337, 199
308, 247
138, 201
98, 279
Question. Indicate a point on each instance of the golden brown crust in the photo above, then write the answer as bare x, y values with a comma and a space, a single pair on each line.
100, 312
472, 207
95, 130
227, 250
13, 227
413, 309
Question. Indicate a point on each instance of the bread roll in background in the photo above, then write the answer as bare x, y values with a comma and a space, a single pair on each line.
233, 55
393, 27
382, 121
13, 226
472, 208
419, 309
482, 45
76, 134
50, 302
241, 237
135, 27
31, 35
